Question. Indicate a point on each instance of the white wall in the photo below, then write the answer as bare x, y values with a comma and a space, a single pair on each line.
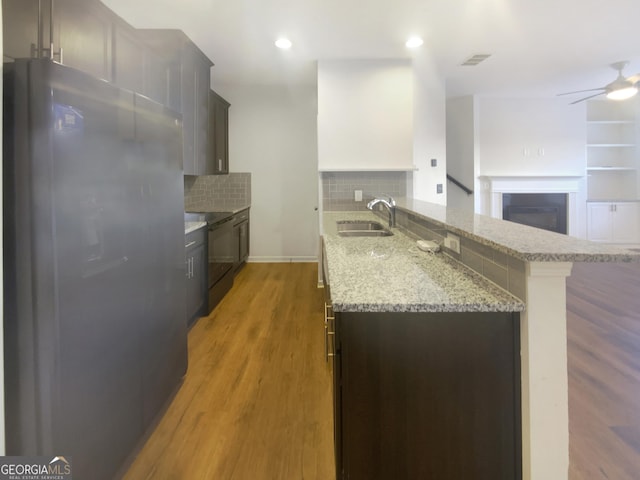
531, 137
365, 116
272, 134
461, 151
429, 123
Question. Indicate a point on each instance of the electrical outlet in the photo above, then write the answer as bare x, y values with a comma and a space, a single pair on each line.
452, 242
357, 195
439, 188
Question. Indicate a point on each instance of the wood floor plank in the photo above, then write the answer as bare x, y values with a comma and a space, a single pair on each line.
256, 402
603, 330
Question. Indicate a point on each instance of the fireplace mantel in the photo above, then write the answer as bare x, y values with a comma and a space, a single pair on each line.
493, 186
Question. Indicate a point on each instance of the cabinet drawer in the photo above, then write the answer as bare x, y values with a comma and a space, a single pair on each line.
241, 217
195, 238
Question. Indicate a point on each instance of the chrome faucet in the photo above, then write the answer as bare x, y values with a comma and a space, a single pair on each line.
390, 204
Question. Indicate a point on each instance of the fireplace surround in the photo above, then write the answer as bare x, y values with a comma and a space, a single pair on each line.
494, 187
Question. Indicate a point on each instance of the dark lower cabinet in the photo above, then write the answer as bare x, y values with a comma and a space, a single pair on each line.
197, 285
427, 396
241, 238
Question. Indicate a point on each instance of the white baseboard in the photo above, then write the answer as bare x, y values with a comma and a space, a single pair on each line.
265, 259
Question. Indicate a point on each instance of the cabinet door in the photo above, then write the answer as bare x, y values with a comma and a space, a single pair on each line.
128, 59
429, 396
156, 77
20, 28
599, 221
626, 223
219, 133
84, 32
244, 241
188, 94
196, 283
201, 121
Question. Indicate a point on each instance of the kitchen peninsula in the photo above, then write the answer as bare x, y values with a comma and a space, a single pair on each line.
428, 380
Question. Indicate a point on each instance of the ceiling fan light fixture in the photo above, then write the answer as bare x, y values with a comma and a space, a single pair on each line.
414, 42
622, 93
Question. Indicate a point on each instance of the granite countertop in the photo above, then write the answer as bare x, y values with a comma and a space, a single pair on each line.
190, 226
194, 220
390, 274
523, 242
227, 209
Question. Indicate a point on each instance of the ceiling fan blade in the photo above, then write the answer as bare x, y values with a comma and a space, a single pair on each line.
587, 98
581, 91
634, 78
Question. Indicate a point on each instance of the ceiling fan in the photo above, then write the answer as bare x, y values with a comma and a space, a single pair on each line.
620, 89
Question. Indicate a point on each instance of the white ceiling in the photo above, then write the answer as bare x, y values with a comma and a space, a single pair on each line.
538, 47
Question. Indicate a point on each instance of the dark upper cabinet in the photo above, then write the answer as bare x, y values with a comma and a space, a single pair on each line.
128, 59
218, 134
165, 65
82, 33
20, 28
188, 92
90, 37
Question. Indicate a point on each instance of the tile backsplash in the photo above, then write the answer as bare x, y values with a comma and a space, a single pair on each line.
338, 188
217, 192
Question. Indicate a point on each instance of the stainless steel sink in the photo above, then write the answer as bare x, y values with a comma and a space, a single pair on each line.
362, 228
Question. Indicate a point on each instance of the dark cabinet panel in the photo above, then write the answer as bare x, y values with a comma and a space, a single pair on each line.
83, 32
188, 87
427, 395
241, 238
128, 59
218, 134
197, 285
20, 28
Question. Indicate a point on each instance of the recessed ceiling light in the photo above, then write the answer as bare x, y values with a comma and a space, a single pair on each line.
414, 42
284, 43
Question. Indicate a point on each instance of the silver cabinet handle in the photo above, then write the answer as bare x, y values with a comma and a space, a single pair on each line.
329, 330
190, 244
220, 164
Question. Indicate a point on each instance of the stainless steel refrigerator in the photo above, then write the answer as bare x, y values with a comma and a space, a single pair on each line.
94, 272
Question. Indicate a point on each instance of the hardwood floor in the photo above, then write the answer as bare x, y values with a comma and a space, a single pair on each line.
257, 401
603, 320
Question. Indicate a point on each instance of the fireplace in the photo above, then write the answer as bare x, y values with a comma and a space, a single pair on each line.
492, 188
541, 210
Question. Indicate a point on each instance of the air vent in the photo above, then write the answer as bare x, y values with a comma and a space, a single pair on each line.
475, 59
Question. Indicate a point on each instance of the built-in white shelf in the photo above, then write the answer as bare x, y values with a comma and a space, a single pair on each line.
611, 169
612, 150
